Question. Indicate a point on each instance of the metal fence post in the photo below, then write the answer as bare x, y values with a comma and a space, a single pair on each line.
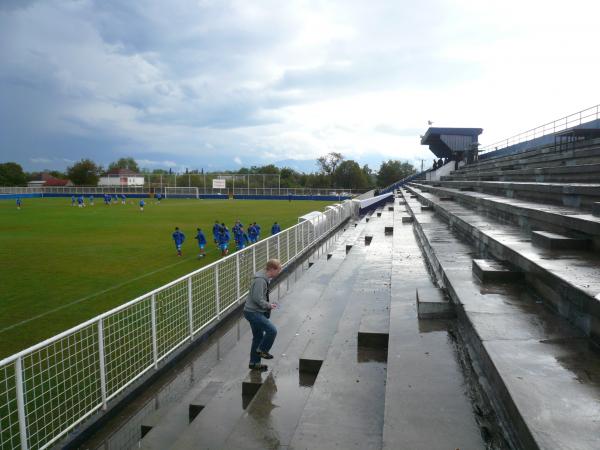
278, 247
268, 249
217, 300
154, 339
237, 278
254, 259
287, 243
102, 362
191, 308
21, 403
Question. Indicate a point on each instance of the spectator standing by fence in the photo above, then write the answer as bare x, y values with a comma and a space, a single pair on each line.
256, 311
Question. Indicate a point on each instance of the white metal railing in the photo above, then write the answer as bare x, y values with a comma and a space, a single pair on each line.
564, 123
89, 190
48, 389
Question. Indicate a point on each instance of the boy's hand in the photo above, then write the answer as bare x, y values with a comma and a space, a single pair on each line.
273, 305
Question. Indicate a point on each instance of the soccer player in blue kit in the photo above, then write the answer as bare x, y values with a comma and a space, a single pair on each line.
201, 242
178, 237
275, 228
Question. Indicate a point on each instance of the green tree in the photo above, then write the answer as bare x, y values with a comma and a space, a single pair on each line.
58, 174
370, 176
125, 163
329, 162
393, 170
349, 175
270, 169
85, 173
11, 174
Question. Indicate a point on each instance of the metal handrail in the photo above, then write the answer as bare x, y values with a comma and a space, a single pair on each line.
564, 123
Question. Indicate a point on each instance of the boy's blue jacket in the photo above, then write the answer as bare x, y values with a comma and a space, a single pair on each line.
200, 237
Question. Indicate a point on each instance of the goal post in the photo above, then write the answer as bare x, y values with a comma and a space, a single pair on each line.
181, 192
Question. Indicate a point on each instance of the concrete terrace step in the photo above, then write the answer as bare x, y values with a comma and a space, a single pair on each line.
576, 195
579, 173
271, 418
345, 407
426, 406
569, 280
169, 423
215, 424
537, 369
540, 152
556, 158
530, 215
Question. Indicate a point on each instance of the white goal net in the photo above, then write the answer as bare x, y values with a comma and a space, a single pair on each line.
181, 192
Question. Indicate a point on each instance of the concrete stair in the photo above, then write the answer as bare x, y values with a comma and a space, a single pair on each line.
529, 215
573, 293
574, 195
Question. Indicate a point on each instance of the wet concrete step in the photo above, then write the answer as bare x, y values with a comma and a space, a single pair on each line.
492, 270
433, 304
541, 373
576, 195
527, 213
345, 407
569, 280
272, 416
555, 241
575, 173
212, 428
548, 159
426, 406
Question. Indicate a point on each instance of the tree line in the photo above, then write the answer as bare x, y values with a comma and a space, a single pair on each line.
334, 171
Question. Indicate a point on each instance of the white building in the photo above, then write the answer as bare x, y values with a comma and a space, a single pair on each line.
121, 177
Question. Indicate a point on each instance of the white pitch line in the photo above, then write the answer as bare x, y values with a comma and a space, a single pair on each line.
87, 297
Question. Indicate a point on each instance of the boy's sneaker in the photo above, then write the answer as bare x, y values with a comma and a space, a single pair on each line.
264, 355
258, 366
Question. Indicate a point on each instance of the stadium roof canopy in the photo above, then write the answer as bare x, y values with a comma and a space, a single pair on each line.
443, 142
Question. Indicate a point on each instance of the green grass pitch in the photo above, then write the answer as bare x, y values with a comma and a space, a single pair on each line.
62, 265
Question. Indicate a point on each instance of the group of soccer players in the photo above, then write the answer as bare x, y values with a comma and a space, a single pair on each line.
222, 236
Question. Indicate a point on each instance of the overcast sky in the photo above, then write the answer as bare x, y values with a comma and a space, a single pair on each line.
221, 84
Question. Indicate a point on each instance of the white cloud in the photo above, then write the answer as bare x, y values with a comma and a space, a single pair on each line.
152, 163
237, 160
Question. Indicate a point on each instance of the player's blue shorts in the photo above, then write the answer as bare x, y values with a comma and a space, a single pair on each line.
223, 246
201, 246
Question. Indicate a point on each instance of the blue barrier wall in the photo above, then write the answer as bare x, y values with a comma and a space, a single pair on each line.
15, 196
329, 198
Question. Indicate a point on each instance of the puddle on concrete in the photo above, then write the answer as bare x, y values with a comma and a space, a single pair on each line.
370, 355
434, 326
